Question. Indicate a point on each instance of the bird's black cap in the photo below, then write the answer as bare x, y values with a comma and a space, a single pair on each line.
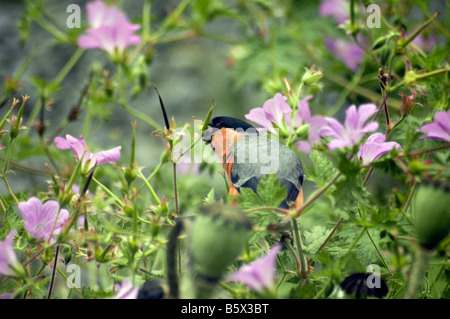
229, 122
226, 122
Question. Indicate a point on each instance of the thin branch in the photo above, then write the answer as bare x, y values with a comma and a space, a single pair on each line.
316, 196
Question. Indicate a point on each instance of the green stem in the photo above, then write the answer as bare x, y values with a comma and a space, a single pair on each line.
355, 241
383, 260
432, 73
53, 273
141, 115
50, 28
298, 243
65, 277
69, 65
420, 265
316, 195
106, 189
5, 173
416, 32
149, 187
58, 80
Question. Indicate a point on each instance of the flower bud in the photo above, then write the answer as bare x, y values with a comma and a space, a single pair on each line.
128, 209
432, 218
130, 175
302, 131
155, 227
410, 78
312, 76
47, 254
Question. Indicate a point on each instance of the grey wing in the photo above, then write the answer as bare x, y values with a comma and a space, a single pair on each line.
255, 156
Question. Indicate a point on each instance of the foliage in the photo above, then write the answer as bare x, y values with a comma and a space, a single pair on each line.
130, 217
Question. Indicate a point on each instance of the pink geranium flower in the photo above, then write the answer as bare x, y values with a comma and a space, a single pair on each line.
302, 117
347, 51
41, 219
272, 115
89, 160
275, 116
438, 129
335, 8
9, 265
110, 30
374, 147
354, 128
126, 290
258, 275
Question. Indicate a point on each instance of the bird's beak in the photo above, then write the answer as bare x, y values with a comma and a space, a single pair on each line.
208, 134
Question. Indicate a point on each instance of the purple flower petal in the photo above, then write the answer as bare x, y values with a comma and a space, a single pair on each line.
374, 147
303, 114
39, 218
354, 129
78, 146
258, 115
109, 156
81, 151
316, 123
99, 14
336, 8
8, 257
276, 108
272, 114
334, 128
110, 30
439, 128
259, 274
126, 290
365, 111
348, 52
303, 146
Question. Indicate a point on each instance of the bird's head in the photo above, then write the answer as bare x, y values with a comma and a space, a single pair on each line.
223, 132
225, 124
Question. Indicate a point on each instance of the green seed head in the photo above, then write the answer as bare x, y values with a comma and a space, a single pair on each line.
218, 236
432, 213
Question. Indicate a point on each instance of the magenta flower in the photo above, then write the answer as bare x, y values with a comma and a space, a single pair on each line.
258, 275
440, 128
302, 117
9, 265
335, 8
126, 290
374, 147
427, 43
81, 151
354, 129
39, 218
110, 30
348, 52
272, 115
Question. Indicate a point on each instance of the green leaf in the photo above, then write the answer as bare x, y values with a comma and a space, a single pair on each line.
303, 291
269, 191
316, 236
349, 168
88, 293
209, 199
322, 170
270, 195
349, 194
